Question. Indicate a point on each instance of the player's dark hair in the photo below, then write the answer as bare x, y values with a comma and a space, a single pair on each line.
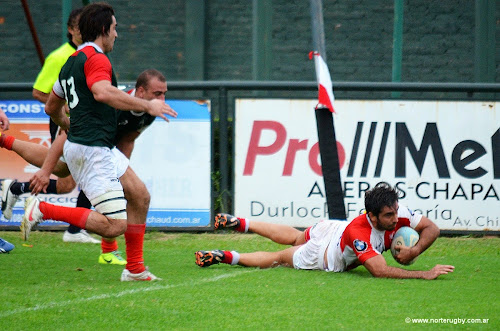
95, 21
382, 195
73, 20
145, 77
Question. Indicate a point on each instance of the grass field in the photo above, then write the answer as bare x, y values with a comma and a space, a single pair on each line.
59, 286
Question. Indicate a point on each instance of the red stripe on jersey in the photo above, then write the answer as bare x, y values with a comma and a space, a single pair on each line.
97, 67
307, 233
62, 98
357, 236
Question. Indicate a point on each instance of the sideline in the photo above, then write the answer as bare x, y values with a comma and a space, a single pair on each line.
50, 305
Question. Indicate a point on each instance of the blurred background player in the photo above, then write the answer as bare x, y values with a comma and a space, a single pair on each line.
11, 189
150, 84
334, 245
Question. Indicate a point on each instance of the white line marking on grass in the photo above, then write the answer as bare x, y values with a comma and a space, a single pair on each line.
56, 304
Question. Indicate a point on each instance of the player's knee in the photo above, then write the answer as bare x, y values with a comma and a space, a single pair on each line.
146, 199
116, 228
140, 196
65, 185
300, 238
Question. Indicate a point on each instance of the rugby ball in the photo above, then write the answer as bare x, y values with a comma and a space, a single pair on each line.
405, 236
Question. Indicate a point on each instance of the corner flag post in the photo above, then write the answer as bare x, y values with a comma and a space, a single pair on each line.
324, 119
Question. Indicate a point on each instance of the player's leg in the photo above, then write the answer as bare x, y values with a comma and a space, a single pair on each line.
137, 196
12, 189
95, 171
37, 211
255, 259
138, 199
74, 233
109, 252
268, 259
32, 153
279, 233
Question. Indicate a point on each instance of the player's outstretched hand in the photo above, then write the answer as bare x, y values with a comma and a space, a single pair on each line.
39, 182
438, 270
159, 108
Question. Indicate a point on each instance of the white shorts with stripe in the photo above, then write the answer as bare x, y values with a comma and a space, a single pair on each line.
97, 171
323, 234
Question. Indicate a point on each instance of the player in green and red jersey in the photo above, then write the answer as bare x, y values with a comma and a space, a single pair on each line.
120, 198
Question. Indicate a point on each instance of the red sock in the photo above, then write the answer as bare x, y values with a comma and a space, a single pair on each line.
6, 141
134, 239
108, 246
228, 257
76, 216
243, 224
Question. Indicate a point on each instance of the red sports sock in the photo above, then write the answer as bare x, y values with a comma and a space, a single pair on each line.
243, 223
76, 216
6, 141
228, 257
134, 239
108, 245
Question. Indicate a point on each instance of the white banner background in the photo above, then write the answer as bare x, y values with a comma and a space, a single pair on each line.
276, 159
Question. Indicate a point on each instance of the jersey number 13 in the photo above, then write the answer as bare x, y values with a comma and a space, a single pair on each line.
70, 92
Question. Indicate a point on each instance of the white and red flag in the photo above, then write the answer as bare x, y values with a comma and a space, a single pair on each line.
325, 90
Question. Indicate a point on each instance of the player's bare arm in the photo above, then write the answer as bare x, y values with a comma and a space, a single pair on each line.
40, 180
106, 93
378, 267
55, 108
127, 142
40, 96
428, 232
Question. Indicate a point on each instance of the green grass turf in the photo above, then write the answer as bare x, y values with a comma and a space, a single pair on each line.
60, 286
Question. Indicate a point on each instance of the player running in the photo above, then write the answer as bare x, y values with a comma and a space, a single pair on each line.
151, 84
121, 200
333, 245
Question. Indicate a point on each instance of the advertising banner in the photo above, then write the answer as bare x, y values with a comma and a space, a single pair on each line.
173, 160
443, 156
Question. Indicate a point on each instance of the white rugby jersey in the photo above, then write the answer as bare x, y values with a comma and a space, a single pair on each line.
361, 241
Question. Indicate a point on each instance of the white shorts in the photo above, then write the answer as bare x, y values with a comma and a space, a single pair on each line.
95, 169
122, 165
311, 255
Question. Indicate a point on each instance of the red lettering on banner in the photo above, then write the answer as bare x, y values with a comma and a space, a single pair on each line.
253, 147
314, 160
294, 145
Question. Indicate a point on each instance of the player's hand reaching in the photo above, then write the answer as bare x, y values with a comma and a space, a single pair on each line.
39, 182
438, 270
159, 108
